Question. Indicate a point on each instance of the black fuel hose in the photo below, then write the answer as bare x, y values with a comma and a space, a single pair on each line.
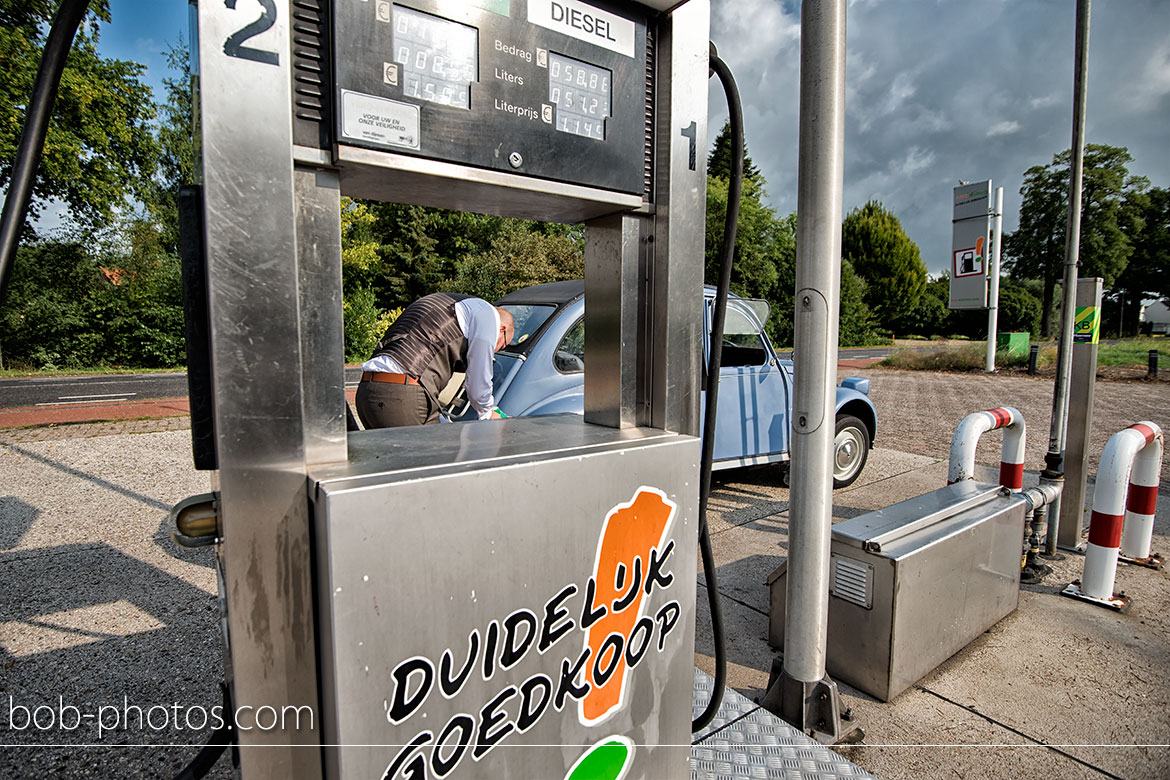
208, 754
726, 259
36, 123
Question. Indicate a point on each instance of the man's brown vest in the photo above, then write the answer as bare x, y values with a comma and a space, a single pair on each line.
427, 342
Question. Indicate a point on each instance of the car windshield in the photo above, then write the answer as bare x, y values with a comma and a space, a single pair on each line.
529, 317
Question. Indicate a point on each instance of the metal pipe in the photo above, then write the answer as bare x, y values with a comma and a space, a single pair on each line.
1036, 527
993, 290
1141, 441
1040, 495
22, 178
1054, 460
1033, 356
818, 282
966, 439
1152, 365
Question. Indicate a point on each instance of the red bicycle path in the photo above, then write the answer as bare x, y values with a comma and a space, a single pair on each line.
30, 416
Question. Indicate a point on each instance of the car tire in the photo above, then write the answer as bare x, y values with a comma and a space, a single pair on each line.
850, 450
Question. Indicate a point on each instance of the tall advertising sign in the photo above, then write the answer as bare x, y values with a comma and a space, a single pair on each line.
970, 245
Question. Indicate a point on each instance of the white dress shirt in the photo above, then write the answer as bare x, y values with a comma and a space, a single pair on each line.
480, 323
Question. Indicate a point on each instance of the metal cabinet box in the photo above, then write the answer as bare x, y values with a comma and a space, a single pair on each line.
496, 597
912, 584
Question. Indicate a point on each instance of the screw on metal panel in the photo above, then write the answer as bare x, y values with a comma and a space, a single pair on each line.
847, 714
806, 300
824, 696
515, 160
803, 420
821, 724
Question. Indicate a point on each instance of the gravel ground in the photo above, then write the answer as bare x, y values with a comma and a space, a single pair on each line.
100, 608
918, 411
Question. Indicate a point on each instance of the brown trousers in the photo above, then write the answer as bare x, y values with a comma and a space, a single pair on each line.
384, 405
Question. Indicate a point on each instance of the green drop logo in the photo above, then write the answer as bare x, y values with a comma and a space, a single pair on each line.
609, 759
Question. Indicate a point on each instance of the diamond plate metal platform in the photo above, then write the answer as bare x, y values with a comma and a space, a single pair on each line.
746, 741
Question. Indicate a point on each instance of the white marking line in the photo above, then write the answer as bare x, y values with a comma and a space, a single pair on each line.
89, 400
96, 395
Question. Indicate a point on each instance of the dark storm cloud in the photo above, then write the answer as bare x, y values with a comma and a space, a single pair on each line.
948, 90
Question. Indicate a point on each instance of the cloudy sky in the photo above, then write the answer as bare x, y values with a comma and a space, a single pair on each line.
942, 90
937, 91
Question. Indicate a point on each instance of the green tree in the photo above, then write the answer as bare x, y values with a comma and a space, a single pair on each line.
1037, 248
856, 326
929, 316
883, 255
178, 148
719, 160
139, 311
518, 256
47, 318
99, 150
1019, 310
1147, 275
765, 252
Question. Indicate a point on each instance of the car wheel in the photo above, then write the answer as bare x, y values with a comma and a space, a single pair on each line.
850, 450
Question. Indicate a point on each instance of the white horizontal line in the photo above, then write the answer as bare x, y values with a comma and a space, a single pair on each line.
92, 401
97, 395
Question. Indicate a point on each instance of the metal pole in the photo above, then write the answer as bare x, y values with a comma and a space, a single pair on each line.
1054, 460
804, 695
993, 292
818, 283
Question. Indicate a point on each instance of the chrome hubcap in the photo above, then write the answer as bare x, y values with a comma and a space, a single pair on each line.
847, 451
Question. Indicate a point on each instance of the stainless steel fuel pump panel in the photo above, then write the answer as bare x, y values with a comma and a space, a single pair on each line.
515, 605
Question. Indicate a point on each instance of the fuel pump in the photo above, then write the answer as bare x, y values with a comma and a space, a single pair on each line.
492, 599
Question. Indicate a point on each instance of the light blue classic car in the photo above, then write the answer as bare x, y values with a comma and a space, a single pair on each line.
542, 372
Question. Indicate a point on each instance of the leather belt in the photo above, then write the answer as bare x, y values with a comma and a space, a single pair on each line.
394, 379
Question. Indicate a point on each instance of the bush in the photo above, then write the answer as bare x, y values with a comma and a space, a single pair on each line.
1019, 311
518, 257
364, 324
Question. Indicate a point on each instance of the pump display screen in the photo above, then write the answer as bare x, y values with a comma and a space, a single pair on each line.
580, 92
439, 58
558, 90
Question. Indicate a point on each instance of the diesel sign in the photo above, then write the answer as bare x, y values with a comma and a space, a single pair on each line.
585, 23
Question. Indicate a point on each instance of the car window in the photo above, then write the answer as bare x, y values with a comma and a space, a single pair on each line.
742, 344
570, 354
529, 318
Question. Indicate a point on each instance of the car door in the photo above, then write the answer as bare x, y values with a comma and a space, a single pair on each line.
752, 416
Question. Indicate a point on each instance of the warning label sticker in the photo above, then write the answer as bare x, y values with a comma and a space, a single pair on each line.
1087, 325
378, 120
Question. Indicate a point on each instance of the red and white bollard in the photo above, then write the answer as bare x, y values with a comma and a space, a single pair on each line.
966, 438
1137, 532
1130, 468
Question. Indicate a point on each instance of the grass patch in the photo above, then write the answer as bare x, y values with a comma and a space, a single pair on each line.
1133, 352
973, 357
970, 357
98, 371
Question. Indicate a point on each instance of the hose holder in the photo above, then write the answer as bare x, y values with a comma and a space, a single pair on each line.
195, 520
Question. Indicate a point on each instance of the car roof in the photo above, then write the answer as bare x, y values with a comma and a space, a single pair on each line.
551, 292
560, 293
